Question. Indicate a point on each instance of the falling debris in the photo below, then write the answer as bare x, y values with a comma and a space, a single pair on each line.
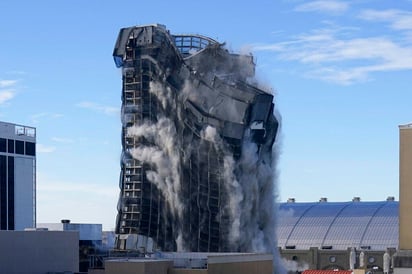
198, 163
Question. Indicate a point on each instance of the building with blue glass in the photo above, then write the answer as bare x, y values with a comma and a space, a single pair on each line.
17, 176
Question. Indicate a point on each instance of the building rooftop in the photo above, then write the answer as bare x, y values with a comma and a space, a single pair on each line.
15, 131
339, 225
406, 126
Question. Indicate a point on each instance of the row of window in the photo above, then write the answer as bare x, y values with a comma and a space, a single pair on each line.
17, 146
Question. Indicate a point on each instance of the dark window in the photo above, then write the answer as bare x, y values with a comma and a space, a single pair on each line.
10, 190
2, 145
19, 147
3, 192
30, 148
10, 146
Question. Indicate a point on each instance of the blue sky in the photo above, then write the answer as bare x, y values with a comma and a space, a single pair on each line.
340, 71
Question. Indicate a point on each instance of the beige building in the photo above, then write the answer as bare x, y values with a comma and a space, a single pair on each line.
39, 252
403, 258
191, 263
405, 186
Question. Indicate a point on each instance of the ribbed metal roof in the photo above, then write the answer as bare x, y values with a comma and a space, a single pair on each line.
327, 272
339, 225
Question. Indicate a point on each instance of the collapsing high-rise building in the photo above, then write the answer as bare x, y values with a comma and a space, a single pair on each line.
197, 167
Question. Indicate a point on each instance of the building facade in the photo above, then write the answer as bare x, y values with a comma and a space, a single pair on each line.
192, 263
39, 252
17, 176
190, 111
403, 258
405, 186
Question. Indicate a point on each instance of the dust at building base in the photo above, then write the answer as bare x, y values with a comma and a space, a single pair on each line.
198, 164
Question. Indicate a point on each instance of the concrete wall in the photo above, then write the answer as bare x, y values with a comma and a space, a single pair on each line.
262, 267
96, 271
241, 264
217, 264
402, 270
187, 271
315, 258
405, 187
137, 266
38, 252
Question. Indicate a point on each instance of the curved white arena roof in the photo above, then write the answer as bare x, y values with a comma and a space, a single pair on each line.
338, 225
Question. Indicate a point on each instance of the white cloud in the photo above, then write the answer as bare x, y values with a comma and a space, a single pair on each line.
35, 118
333, 49
330, 55
45, 149
327, 6
47, 114
339, 75
16, 72
62, 140
99, 108
398, 19
7, 83
7, 92
6, 95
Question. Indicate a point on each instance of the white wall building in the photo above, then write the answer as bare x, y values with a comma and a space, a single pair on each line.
17, 176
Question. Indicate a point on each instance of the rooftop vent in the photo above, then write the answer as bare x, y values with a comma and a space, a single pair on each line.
323, 199
390, 199
65, 221
291, 200
356, 199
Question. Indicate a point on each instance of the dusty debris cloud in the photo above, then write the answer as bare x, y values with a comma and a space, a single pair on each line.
199, 151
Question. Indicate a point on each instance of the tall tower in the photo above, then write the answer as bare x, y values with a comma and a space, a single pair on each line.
17, 177
197, 136
405, 187
402, 261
